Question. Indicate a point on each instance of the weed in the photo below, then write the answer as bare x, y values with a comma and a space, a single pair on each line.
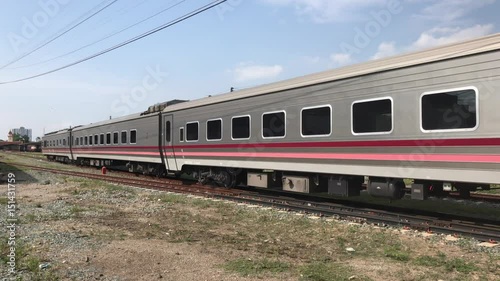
395, 253
323, 271
460, 265
249, 267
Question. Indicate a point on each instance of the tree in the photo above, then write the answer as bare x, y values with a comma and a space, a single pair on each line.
38, 139
24, 138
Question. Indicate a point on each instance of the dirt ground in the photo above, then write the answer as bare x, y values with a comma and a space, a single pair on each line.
79, 229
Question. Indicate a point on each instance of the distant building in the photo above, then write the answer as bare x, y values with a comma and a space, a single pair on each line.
22, 132
10, 137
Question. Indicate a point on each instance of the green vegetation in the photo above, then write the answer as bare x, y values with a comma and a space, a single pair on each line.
325, 271
250, 267
396, 253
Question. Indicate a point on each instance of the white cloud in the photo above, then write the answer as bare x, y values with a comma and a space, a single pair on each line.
435, 37
248, 72
442, 36
322, 11
385, 49
450, 10
340, 59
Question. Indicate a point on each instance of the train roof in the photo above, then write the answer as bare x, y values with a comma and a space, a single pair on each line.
111, 121
476, 46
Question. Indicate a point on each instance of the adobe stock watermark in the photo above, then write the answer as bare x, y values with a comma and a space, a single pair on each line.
31, 26
372, 28
11, 224
226, 7
128, 102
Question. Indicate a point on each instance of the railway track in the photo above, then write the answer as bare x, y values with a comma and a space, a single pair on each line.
483, 230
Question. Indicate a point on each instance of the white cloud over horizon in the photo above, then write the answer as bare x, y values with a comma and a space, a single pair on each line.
341, 59
249, 72
325, 11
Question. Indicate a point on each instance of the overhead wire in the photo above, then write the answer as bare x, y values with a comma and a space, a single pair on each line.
143, 35
59, 35
102, 39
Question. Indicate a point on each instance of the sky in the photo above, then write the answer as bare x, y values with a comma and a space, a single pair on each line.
238, 44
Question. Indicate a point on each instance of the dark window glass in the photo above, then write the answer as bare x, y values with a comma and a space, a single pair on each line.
372, 116
448, 111
64, 142
240, 127
273, 125
192, 132
96, 139
124, 137
168, 131
90, 140
108, 138
317, 121
115, 138
77, 141
101, 141
86, 140
133, 136
181, 134
214, 130
81, 140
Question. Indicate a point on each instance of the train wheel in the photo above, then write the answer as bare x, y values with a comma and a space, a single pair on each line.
226, 179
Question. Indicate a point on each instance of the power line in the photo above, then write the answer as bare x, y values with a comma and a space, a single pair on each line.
58, 36
102, 39
159, 28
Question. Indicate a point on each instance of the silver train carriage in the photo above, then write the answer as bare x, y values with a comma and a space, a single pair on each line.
430, 116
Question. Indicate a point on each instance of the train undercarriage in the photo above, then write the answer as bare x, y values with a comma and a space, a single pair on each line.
335, 185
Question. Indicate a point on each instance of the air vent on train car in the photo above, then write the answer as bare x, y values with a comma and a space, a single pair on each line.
161, 106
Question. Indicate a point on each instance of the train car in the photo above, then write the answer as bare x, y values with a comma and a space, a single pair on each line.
430, 116
57, 146
131, 141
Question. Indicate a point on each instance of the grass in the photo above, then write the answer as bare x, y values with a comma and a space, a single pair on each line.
396, 253
460, 265
326, 271
169, 198
259, 267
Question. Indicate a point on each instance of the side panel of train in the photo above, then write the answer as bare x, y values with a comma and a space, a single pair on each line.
56, 146
132, 143
436, 122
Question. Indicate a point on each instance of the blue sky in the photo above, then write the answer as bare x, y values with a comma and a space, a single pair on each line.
238, 44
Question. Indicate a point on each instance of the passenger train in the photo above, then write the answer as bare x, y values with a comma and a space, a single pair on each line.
431, 116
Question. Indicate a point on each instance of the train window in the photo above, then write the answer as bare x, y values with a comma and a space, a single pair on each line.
64, 142
101, 139
77, 142
372, 116
316, 121
449, 110
133, 136
44, 143
96, 139
86, 139
108, 138
81, 140
90, 140
115, 138
192, 131
240, 127
168, 131
181, 134
124, 137
273, 124
214, 130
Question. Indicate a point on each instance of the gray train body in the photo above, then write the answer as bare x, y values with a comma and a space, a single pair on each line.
431, 116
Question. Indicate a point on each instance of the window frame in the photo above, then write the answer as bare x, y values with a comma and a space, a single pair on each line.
117, 138
96, 137
221, 129
106, 140
262, 124
185, 131
126, 137
249, 127
444, 91
91, 140
102, 140
369, 100
314, 107
130, 137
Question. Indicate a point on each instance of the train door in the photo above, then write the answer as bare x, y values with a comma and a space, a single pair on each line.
168, 143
